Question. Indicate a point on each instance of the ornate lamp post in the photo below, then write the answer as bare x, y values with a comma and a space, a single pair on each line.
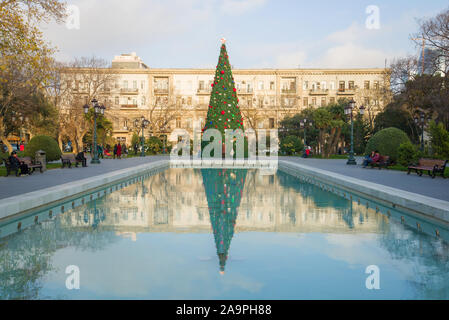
303, 125
421, 117
143, 124
349, 113
98, 109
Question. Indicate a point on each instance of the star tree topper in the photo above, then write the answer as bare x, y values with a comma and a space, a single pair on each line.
223, 40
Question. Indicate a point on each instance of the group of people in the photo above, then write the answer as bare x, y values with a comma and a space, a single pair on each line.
117, 151
373, 157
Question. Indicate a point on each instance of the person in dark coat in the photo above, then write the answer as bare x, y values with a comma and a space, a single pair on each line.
16, 164
115, 150
81, 157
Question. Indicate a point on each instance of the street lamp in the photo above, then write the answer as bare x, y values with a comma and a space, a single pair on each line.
349, 113
421, 117
98, 110
303, 125
143, 124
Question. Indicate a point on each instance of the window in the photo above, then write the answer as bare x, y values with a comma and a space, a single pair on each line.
366, 85
323, 101
249, 87
134, 84
271, 120
313, 101
125, 84
324, 85
125, 100
143, 101
135, 102
332, 85
306, 102
142, 85
117, 100
272, 85
341, 86
376, 85
351, 85
250, 103
332, 100
261, 85
201, 85
305, 85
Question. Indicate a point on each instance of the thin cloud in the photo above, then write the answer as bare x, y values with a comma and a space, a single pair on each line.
237, 7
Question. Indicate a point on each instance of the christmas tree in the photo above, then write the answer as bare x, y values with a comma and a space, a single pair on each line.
224, 189
224, 112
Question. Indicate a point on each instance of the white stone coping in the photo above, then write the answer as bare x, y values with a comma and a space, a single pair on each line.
420, 204
33, 200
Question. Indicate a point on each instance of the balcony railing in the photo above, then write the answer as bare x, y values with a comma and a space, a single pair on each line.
245, 91
206, 91
288, 91
129, 91
346, 91
128, 106
319, 92
160, 90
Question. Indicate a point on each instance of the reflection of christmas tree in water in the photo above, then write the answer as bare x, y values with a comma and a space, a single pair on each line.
224, 189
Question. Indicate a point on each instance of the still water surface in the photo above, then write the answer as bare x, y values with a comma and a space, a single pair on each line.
222, 234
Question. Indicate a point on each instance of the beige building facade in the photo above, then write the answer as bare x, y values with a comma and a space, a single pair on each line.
179, 98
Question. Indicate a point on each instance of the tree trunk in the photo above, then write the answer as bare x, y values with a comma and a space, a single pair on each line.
6, 143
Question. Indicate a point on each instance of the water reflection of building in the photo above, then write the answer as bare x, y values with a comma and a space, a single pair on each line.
175, 201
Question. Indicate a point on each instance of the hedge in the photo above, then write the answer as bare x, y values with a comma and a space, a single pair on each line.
45, 143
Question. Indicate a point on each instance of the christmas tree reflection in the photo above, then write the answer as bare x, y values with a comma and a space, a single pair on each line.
224, 189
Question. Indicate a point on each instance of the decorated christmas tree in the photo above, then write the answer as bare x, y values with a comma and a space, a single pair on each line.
224, 189
224, 112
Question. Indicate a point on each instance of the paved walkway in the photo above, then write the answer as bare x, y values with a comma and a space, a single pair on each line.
13, 186
434, 188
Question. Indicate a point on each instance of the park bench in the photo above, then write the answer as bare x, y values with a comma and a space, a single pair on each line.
432, 166
32, 165
9, 168
69, 159
384, 161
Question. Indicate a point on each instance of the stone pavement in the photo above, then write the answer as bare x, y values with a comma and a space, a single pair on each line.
13, 186
434, 188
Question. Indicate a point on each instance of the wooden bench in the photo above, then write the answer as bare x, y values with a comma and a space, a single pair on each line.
69, 159
432, 166
9, 168
384, 161
32, 165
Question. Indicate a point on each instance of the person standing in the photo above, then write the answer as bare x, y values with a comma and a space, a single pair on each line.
21, 146
100, 151
115, 150
119, 151
124, 150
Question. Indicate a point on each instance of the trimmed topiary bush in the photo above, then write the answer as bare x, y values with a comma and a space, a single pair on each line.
407, 154
45, 143
387, 142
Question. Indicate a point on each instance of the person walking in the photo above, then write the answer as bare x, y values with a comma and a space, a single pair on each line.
115, 150
100, 151
124, 150
135, 149
119, 151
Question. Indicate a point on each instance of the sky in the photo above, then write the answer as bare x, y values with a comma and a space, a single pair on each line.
259, 33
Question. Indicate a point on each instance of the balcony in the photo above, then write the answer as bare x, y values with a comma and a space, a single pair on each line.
129, 91
128, 106
245, 91
80, 90
204, 91
346, 92
318, 92
160, 90
288, 91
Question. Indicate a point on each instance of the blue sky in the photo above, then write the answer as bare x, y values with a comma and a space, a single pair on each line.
260, 33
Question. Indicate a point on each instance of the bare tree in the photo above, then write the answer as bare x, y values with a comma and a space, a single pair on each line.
80, 81
161, 114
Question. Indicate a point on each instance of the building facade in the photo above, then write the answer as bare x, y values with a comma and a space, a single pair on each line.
179, 98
